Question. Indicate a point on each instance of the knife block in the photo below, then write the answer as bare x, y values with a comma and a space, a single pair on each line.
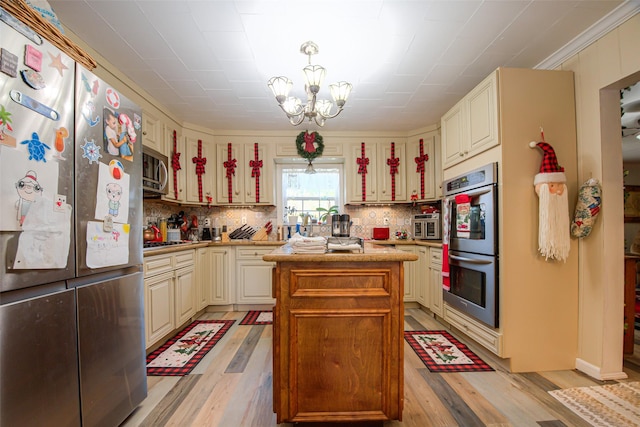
260, 235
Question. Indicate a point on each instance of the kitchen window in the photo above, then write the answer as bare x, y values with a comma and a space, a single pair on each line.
303, 192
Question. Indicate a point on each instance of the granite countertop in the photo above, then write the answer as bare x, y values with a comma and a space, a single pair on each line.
202, 244
372, 253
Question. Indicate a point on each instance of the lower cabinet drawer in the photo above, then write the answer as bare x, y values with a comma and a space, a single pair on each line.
484, 336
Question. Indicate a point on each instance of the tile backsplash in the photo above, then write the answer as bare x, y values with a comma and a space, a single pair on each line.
365, 218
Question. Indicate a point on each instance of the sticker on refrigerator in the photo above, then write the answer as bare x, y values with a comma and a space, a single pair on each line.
33, 78
8, 63
105, 249
59, 144
32, 58
56, 62
112, 196
5, 126
37, 149
27, 101
119, 134
90, 151
23, 184
90, 88
45, 238
113, 98
88, 110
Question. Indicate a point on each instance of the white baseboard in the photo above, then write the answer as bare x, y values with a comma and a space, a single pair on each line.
594, 371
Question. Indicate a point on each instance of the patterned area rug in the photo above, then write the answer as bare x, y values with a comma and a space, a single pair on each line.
441, 352
607, 405
181, 354
258, 318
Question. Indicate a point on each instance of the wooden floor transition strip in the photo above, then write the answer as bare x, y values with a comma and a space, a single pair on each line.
242, 356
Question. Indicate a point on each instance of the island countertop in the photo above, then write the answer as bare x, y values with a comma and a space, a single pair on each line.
371, 253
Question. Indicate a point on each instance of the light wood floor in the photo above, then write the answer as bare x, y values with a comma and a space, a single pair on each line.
231, 387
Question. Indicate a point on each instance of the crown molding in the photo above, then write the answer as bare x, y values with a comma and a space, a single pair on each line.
605, 25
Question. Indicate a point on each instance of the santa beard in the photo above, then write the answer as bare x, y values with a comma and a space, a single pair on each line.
553, 222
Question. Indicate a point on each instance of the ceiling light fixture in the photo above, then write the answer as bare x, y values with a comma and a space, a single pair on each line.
315, 109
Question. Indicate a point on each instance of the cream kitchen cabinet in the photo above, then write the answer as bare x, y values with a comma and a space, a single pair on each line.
177, 191
471, 126
213, 276
159, 307
253, 276
152, 132
422, 278
378, 185
487, 337
170, 293
245, 174
410, 273
435, 278
199, 147
423, 167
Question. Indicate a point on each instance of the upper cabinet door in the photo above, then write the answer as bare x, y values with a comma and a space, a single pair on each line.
177, 177
422, 168
361, 169
258, 174
471, 126
482, 116
200, 168
153, 132
392, 175
230, 178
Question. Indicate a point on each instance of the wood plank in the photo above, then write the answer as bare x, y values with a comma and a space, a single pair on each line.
171, 402
242, 356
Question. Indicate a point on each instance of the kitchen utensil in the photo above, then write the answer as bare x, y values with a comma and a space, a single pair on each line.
345, 225
335, 225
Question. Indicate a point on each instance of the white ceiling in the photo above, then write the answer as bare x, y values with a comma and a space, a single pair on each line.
208, 62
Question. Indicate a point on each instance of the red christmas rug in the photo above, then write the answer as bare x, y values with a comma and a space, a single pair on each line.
258, 318
441, 352
179, 355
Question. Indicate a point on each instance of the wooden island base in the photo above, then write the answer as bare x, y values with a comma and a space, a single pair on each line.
338, 336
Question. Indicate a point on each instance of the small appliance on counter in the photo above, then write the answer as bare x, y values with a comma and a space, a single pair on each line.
345, 225
381, 233
206, 229
427, 226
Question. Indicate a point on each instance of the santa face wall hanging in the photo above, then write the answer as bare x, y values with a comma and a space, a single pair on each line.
553, 210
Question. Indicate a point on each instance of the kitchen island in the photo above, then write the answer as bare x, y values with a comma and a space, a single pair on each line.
338, 335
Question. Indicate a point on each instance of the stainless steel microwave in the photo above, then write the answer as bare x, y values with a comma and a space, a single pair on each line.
155, 174
427, 226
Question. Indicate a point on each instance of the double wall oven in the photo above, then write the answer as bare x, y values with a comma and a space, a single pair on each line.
473, 244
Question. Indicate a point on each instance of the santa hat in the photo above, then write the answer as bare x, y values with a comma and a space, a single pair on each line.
550, 170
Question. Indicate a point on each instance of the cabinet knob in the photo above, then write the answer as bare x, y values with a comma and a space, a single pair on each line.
237, 193
461, 154
466, 152
144, 132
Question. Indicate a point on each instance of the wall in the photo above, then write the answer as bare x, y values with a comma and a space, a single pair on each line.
601, 70
368, 217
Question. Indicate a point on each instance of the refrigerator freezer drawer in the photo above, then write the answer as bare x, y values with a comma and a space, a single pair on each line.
38, 362
113, 376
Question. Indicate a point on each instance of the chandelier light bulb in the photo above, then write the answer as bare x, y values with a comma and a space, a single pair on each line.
313, 110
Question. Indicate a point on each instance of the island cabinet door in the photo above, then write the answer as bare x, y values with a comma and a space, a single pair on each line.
338, 346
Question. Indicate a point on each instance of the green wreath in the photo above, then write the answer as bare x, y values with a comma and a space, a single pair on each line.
301, 142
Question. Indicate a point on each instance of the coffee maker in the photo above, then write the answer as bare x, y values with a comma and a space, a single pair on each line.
206, 229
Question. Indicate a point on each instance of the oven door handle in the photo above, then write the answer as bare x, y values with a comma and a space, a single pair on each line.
478, 192
469, 260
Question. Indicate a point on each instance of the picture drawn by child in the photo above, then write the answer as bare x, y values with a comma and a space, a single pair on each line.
114, 193
116, 139
28, 189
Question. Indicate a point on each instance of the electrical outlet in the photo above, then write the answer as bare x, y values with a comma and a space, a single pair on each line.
386, 221
244, 220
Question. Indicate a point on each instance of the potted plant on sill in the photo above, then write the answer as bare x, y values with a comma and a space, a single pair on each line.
325, 214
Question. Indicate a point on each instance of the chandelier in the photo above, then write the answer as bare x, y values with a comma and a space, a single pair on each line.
315, 109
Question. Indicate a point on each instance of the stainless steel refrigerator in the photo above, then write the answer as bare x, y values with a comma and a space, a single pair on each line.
71, 285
